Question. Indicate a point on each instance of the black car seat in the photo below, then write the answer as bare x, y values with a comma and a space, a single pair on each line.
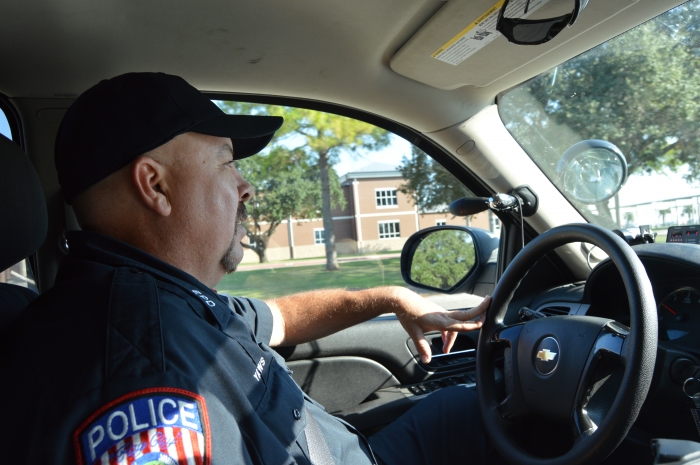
23, 223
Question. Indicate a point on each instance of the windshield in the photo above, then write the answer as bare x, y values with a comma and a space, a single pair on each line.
640, 93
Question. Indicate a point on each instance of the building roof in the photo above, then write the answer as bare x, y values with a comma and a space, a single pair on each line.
373, 170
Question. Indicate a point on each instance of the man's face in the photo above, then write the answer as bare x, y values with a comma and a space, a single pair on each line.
207, 201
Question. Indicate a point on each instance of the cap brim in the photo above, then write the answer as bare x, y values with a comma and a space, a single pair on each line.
248, 133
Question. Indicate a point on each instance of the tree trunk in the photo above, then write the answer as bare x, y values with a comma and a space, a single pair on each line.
329, 234
605, 215
261, 253
258, 247
264, 242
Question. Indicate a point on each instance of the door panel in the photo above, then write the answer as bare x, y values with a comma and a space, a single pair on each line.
368, 374
339, 383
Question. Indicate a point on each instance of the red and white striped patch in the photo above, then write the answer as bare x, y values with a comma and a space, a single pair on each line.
153, 426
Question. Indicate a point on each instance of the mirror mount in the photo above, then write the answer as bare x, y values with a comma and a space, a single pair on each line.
522, 196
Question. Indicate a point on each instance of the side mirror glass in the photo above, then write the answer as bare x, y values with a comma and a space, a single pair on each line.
442, 259
592, 171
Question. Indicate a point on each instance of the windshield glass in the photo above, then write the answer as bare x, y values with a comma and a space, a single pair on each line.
638, 92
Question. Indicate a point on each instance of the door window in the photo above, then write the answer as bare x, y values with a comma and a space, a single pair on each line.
5, 126
379, 190
20, 273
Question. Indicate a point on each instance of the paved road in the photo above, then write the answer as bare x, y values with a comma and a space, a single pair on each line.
320, 261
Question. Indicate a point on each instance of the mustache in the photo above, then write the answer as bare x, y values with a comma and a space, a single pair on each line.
242, 213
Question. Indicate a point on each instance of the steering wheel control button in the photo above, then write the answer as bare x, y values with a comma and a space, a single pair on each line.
547, 355
297, 414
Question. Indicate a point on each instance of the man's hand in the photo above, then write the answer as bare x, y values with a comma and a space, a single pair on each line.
419, 315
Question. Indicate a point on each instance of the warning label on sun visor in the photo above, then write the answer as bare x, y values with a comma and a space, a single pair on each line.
482, 32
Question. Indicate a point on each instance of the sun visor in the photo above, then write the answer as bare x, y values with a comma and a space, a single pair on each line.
459, 46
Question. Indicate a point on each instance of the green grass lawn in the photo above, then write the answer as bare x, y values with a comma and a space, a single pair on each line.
661, 235
263, 284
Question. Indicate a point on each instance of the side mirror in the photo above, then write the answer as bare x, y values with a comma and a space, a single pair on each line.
447, 259
592, 171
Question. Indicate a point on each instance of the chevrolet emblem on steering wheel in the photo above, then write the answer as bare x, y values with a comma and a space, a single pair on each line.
546, 355
546, 360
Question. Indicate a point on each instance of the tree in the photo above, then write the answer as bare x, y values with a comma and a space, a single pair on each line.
285, 185
689, 212
322, 137
663, 213
636, 91
431, 186
629, 219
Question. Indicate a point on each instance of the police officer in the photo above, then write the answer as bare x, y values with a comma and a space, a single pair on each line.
132, 357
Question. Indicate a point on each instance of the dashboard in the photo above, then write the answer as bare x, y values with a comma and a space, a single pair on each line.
674, 273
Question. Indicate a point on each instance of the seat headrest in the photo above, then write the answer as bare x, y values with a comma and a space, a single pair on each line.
23, 217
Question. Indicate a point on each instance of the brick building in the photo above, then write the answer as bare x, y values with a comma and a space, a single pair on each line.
377, 217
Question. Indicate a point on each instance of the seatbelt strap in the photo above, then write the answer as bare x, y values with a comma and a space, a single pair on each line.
318, 449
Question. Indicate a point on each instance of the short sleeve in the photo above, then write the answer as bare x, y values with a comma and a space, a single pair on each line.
256, 313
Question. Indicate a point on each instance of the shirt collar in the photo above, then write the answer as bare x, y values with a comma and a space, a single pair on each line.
96, 247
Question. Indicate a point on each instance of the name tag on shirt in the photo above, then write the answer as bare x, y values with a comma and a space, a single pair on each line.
152, 426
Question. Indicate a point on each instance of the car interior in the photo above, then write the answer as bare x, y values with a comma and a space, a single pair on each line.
398, 65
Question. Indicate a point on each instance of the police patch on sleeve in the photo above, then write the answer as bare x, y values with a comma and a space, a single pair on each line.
158, 426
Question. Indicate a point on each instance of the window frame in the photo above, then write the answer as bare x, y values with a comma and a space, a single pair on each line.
386, 190
394, 234
323, 238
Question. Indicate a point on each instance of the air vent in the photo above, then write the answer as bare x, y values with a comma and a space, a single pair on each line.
554, 311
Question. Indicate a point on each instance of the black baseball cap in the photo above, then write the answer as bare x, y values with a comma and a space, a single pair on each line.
116, 121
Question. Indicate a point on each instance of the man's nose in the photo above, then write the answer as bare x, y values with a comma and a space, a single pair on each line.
245, 190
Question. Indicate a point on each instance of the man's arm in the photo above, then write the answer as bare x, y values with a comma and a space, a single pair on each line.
309, 316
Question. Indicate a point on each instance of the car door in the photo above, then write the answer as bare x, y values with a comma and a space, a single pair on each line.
381, 189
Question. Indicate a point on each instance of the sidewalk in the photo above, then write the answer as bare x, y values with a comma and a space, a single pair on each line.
319, 261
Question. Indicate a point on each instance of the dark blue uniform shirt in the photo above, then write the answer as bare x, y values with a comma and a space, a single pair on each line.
130, 360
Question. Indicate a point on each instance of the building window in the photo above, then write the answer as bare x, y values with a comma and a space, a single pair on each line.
495, 224
389, 229
440, 222
386, 198
319, 236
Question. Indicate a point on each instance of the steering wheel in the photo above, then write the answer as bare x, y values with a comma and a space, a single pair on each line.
549, 362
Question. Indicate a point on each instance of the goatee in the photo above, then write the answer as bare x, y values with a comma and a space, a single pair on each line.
229, 260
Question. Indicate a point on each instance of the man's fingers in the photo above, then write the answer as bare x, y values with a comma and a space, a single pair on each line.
470, 314
423, 347
449, 338
461, 326
426, 316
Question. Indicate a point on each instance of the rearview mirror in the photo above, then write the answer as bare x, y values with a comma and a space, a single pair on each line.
592, 171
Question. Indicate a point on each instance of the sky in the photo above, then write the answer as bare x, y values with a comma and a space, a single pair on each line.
391, 155
642, 188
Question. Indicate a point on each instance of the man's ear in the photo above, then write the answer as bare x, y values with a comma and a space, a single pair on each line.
149, 179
